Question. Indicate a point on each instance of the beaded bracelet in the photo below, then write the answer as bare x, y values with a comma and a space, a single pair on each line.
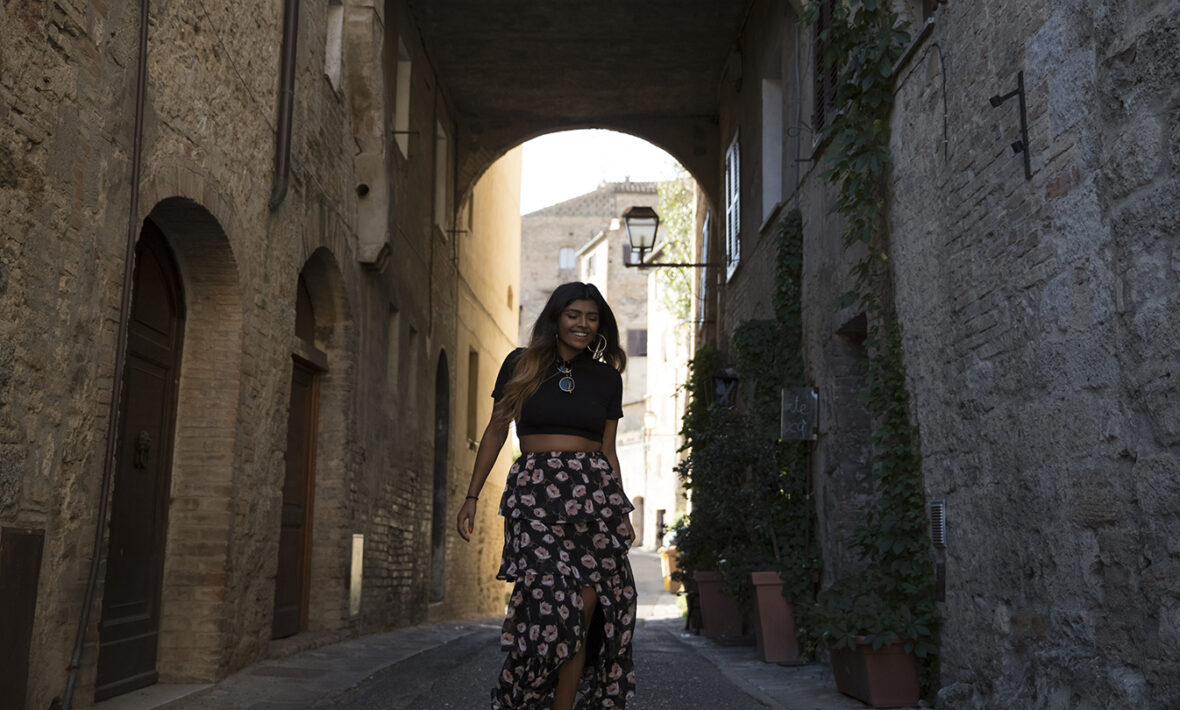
472, 497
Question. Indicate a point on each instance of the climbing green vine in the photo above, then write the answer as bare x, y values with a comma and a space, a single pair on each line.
752, 508
893, 594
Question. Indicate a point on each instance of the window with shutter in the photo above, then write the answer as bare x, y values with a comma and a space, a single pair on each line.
733, 211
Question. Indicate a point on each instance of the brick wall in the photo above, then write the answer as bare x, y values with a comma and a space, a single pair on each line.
66, 87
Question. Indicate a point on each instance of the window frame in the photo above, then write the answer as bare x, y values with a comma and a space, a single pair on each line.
733, 206
562, 260
402, 94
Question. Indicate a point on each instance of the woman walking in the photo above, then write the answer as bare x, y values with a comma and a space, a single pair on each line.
566, 527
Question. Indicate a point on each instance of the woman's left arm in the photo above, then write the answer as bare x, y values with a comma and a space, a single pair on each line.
612, 456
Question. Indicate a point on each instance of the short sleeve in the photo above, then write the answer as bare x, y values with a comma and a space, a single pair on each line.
506, 371
614, 409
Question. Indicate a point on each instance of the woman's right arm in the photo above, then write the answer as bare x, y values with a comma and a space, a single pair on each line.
494, 436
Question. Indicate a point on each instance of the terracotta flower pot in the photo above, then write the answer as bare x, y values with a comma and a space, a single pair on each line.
720, 616
883, 678
774, 624
669, 563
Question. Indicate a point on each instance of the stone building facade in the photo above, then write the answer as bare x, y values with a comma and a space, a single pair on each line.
294, 432
551, 237
1036, 317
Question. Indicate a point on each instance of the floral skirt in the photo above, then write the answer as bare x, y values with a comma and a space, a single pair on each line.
564, 529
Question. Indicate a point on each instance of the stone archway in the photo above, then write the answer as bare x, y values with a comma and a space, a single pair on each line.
192, 629
689, 144
328, 352
634, 68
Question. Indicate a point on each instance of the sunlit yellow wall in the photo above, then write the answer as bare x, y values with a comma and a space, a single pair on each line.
486, 245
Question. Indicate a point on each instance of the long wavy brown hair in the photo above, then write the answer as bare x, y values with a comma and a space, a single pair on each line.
536, 362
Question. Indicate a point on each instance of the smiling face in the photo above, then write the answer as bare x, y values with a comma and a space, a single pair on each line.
577, 327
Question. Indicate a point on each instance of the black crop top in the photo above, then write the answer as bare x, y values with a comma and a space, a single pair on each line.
597, 396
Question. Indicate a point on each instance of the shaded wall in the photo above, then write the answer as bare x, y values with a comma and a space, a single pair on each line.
1038, 347
386, 291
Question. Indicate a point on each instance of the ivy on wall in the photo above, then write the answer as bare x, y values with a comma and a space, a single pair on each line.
893, 595
752, 507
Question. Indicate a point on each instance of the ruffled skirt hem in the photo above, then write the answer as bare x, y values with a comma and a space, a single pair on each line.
565, 529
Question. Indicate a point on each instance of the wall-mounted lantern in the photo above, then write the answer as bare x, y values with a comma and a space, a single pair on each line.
725, 382
642, 223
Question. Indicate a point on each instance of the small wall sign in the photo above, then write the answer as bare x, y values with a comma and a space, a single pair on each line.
799, 408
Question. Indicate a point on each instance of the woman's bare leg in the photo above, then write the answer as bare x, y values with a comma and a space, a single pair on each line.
570, 672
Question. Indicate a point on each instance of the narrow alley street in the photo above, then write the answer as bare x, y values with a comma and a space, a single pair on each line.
451, 666
863, 313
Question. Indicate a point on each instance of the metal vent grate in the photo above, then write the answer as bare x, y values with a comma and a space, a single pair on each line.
938, 523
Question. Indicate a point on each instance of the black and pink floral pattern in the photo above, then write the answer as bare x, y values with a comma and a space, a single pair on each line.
564, 529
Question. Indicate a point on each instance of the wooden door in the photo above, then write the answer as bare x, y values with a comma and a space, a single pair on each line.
293, 577
129, 627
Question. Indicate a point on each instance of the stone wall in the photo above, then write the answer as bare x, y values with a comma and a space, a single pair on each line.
1037, 337
384, 314
833, 335
1038, 345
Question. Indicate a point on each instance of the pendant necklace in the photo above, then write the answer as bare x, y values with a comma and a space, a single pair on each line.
566, 383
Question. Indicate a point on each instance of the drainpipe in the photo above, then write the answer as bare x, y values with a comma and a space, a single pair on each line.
112, 439
286, 105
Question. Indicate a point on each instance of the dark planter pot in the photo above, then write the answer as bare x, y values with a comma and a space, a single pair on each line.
774, 625
883, 678
720, 616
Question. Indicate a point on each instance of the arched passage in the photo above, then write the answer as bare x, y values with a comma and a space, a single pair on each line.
691, 146
635, 68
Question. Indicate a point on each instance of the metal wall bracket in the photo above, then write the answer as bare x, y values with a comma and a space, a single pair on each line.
1020, 146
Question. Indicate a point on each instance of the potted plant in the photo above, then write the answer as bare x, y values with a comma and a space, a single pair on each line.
875, 639
789, 567
700, 543
774, 620
714, 532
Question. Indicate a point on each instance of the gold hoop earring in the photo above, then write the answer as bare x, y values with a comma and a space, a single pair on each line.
599, 348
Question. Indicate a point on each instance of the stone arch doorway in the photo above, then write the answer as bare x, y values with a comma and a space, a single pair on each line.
129, 628
314, 537
197, 453
438, 520
293, 576
200, 449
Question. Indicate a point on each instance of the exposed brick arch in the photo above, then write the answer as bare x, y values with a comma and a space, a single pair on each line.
333, 525
207, 446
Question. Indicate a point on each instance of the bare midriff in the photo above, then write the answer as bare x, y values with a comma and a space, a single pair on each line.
534, 443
